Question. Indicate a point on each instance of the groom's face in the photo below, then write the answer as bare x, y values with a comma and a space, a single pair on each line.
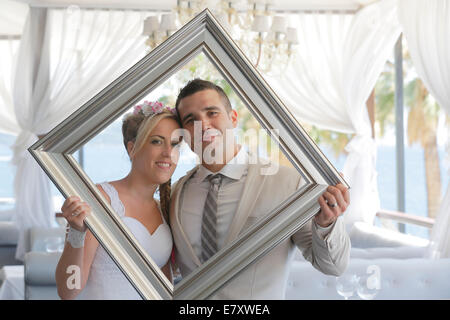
207, 109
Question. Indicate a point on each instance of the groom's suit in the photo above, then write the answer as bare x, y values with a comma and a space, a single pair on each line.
266, 278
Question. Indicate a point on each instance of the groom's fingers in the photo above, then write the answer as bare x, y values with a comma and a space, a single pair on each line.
345, 192
325, 209
337, 193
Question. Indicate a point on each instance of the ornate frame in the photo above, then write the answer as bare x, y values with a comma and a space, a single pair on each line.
201, 34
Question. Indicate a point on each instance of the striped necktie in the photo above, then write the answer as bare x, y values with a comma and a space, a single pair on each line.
209, 219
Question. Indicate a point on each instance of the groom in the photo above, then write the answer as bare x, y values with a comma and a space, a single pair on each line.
217, 200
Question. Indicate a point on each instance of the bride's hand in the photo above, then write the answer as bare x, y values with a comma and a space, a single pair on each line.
75, 211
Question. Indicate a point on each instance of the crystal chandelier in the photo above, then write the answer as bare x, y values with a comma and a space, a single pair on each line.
263, 36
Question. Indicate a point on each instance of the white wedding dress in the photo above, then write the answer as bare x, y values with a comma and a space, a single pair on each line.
106, 281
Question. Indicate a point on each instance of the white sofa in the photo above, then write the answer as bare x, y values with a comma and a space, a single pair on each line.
40, 283
40, 265
404, 274
364, 235
9, 235
415, 278
402, 279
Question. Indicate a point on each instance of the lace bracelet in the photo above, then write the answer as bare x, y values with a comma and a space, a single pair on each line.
76, 238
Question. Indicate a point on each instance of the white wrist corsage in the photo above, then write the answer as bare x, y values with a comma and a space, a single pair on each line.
76, 238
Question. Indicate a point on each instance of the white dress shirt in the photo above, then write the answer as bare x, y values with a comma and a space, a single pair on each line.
194, 195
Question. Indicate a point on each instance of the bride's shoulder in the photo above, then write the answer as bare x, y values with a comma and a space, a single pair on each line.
101, 187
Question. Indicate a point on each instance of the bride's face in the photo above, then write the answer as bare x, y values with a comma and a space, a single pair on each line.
158, 158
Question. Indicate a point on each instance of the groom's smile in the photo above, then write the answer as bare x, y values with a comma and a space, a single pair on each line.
210, 135
206, 107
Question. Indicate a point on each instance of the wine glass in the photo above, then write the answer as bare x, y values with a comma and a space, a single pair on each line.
54, 244
367, 287
346, 285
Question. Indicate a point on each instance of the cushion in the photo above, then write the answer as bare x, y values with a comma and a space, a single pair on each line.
364, 235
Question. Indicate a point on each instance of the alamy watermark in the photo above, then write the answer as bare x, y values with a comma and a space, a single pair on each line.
74, 280
215, 147
374, 279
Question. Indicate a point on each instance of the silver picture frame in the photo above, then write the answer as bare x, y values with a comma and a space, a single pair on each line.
202, 34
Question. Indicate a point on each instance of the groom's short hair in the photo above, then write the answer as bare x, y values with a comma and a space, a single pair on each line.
197, 85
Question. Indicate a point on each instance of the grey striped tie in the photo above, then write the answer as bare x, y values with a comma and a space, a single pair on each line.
209, 219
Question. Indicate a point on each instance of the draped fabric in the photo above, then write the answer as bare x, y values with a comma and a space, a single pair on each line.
8, 53
65, 58
426, 26
340, 58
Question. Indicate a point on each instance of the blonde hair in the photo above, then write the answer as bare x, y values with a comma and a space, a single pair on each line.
136, 128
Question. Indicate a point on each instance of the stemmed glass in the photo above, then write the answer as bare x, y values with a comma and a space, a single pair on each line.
367, 287
54, 244
346, 285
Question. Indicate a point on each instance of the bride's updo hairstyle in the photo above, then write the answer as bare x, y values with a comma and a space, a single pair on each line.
137, 126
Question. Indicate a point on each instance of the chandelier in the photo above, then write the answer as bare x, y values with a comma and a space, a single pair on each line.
264, 36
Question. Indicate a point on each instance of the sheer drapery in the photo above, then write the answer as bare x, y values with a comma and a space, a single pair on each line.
340, 57
426, 26
65, 58
8, 51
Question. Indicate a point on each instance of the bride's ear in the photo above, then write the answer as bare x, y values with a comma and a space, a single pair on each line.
130, 146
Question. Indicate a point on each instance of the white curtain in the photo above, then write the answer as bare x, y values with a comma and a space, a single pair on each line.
340, 57
426, 26
8, 51
65, 58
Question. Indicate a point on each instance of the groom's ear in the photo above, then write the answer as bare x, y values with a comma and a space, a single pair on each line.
234, 117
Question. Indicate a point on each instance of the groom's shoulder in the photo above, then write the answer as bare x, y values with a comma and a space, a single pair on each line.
276, 175
283, 173
188, 174
274, 170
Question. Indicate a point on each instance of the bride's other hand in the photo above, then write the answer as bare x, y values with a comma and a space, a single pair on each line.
75, 211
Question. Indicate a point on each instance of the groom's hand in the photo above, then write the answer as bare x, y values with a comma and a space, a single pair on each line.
333, 203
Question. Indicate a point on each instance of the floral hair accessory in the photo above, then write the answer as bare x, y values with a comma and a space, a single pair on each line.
151, 108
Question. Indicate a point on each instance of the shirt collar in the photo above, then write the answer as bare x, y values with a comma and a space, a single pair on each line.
234, 169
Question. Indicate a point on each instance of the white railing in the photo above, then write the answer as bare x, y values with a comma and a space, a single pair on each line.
407, 218
7, 201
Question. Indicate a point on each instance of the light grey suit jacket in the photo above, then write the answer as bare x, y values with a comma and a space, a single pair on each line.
266, 278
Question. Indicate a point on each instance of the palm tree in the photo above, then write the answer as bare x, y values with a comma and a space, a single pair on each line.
423, 115
422, 124
335, 140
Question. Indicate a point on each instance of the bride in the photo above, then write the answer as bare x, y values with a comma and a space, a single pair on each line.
147, 137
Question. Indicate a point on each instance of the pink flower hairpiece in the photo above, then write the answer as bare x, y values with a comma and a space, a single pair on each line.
150, 108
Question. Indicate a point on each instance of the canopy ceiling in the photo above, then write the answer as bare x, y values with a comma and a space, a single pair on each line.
12, 17
168, 4
13, 12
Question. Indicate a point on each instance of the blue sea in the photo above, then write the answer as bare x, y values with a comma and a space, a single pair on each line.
105, 159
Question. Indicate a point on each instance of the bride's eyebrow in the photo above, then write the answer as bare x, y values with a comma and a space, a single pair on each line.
158, 136
161, 137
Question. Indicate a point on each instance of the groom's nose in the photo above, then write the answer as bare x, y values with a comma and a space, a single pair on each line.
206, 124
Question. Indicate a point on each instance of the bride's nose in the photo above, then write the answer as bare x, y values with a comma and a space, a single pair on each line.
167, 150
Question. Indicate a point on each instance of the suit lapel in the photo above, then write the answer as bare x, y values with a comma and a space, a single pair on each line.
252, 188
184, 245
253, 185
